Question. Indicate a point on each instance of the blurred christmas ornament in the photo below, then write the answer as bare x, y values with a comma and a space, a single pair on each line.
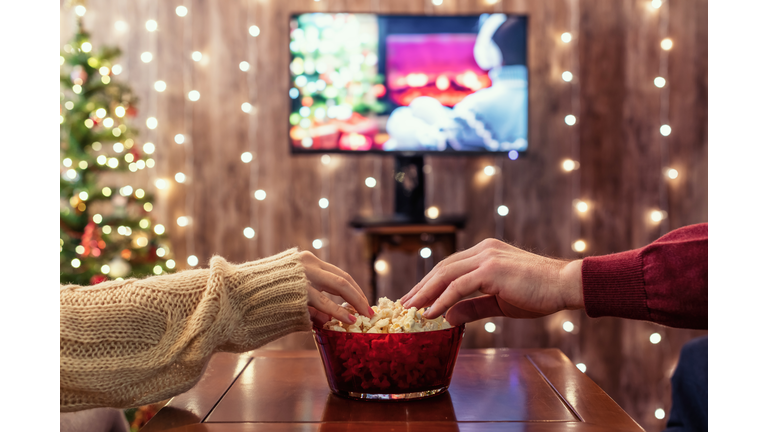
119, 267
131, 111
97, 279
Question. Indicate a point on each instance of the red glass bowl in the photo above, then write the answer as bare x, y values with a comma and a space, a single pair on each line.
393, 366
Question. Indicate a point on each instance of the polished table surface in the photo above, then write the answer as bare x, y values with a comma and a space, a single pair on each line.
491, 390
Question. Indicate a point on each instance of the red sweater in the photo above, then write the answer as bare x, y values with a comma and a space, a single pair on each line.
664, 282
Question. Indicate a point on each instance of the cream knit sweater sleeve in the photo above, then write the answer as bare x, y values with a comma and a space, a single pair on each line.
134, 342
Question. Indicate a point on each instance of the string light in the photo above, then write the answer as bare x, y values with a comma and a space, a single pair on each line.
151, 123
659, 82
246, 107
581, 206
260, 195
489, 170
72, 174
180, 177
80, 10
148, 207
566, 37
570, 165
112, 163
181, 11
75, 263
194, 95
582, 367
157, 270
117, 69
151, 25
121, 26
490, 327
67, 162
150, 163
149, 148
656, 4
425, 252
139, 193
96, 146
666, 44
170, 264
660, 414
108, 122
579, 246
106, 229
82, 165
672, 173
83, 196
146, 57
244, 66
380, 266
197, 56
105, 269
160, 252
246, 157
502, 210
161, 184
434, 2
370, 182
159, 229
77, 89
182, 221
160, 86
317, 243
570, 119
665, 130
567, 76
433, 212
323, 203
254, 30
325, 159
106, 191
192, 260
568, 326
658, 215
126, 191
179, 138
655, 338
97, 218
86, 47
101, 113
249, 232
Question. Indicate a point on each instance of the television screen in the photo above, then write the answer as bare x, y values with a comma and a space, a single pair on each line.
408, 84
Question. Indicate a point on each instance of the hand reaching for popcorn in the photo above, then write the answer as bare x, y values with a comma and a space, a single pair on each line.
331, 279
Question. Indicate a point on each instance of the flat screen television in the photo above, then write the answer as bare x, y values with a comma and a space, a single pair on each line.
408, 84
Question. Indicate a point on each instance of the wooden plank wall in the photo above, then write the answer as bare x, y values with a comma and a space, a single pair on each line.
618, 52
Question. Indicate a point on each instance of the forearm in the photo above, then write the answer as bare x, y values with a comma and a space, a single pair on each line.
134, 342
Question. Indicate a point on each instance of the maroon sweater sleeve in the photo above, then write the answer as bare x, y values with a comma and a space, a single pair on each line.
664, 282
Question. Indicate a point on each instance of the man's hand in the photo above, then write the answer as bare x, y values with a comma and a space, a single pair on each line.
517, 284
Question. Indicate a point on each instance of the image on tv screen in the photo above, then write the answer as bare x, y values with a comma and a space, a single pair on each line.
391, 83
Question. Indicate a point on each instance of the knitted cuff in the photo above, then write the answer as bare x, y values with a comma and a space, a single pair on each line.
269, 299
614, 286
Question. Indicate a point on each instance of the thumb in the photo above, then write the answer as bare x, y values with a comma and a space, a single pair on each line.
473, 309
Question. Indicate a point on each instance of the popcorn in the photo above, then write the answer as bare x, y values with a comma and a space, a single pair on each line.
388, 317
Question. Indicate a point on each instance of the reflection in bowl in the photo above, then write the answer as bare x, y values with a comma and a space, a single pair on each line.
392, 366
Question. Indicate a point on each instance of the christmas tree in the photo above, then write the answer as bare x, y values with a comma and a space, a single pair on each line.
106, 228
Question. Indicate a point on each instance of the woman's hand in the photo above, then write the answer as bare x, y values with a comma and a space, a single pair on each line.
329, 278
517, 284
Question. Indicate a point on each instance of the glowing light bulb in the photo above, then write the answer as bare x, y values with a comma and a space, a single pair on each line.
246, 157
570, 119
77, 89
197, 56
566, 37
490, 327
182, 221
433, 212
656, 4
659, 82
568, 326
249, 232
370, 182
666, 44
161, 184
150, 163
121, 26
151, 25
118, 147
582, 367
83, 195
139, 193
194, 95
244, 66
160, 86
80, 10
157, 270
101, 113
146, 57
192, 260
97, 218
180, 177
108, 122
86, 47
323, 203
425, 252
181, 11
170, 264
254, 30
672, 173
148, 207
105, 269
246, 107
117, 69
380, 266
660, 414
502, 210
657, 215
581, 206
665, 130
151, 123
317, 243
71, 174
655, 338
579, 246
260, 195
75, 263
489, 170
570, 165
113, 163
434, 2
149, 148
567, 76
106, 191
159, 229
179, 138
325, 159
67, 162
126, 191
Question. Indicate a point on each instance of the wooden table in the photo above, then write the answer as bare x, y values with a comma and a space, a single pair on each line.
492, 390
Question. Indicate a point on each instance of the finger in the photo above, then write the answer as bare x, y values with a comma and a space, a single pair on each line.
362, 307
447, 274
473, 309
338, 285
324, 305
317, 317
457, 289
453, 258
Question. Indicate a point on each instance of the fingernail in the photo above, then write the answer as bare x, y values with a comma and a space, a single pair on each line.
370, 311
352, 319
